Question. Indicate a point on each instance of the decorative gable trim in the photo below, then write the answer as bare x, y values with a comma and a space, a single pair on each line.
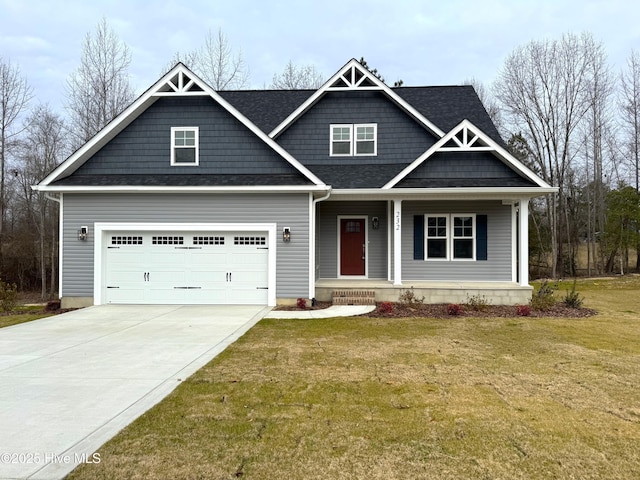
179, 81
353, 76
466, 137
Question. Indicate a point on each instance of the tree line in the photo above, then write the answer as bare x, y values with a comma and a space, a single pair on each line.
558, 103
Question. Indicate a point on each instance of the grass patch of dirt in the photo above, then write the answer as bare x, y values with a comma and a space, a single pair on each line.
493, 397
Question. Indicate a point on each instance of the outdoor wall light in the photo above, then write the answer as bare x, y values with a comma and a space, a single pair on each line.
286, 234
375, 223
83, 233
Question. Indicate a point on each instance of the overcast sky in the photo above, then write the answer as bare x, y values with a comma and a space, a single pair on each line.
423, 42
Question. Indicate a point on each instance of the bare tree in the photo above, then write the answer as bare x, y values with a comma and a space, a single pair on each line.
15, 94
630, 117
542, 90
630, 114
99, 89
42, 148
297, 78
596, 129
216, 62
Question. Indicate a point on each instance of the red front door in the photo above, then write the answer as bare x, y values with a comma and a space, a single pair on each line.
352, 246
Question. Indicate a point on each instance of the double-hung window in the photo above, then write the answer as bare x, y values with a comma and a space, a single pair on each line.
184, 146
354, 140
341, 136
450, 236
463, 237
437, 237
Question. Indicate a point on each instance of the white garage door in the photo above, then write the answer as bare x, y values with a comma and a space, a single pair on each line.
186, 267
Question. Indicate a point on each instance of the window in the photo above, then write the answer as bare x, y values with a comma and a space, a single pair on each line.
184, 146
167, 240
354, 139
340, 140
437, 237
450, 237
463, 237
365, 139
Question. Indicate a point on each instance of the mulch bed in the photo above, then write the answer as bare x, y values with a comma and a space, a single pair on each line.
425, 310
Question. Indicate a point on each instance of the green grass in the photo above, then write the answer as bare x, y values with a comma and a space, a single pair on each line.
364, 398
22, 314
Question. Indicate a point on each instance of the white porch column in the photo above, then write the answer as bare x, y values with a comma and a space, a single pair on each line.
524, 242
397, 242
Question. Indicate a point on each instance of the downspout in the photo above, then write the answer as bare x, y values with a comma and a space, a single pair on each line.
312, 244
58, 200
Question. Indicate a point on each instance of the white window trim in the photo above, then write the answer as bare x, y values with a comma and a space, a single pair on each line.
375, 139
427, 238
353, 128
173, 146
472, 238
341, 125
450, 237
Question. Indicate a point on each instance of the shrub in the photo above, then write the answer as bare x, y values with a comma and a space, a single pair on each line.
523, 310
8, 296
301, 303
408, 297
543, 299
573, 299
454, 309
386, 307
477, 303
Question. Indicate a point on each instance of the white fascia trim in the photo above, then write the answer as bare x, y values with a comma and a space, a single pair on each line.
487, 193
110, 127
78, 156
438, 146
195, 189
380, 86
100, 228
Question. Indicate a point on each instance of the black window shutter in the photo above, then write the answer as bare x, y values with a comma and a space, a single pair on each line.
481, 237
418, 237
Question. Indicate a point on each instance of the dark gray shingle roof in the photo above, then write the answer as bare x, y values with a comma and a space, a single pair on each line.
445, 106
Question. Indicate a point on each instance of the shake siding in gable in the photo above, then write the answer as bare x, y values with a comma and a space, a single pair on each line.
400, 138
226, 146
497, 267
292, 260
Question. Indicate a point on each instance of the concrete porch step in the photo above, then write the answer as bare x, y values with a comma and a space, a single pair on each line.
353, 297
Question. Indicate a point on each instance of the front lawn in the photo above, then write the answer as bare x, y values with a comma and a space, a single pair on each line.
389, 398
23, 314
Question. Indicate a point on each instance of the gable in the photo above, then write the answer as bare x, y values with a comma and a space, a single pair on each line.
463, 169
179, 82
469, 146
227, 147
400, 139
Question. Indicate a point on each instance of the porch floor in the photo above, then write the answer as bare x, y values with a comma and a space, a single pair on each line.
497, 293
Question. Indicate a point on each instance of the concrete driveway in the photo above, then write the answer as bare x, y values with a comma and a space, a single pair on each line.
69, 383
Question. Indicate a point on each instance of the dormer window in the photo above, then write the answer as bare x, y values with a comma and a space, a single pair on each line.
184, 146
354, 140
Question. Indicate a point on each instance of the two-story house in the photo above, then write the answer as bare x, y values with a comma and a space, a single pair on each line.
193, 196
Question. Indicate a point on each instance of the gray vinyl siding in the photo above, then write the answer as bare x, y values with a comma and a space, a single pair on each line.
400, 138
226, 146
327, 242
287, 210
497, 267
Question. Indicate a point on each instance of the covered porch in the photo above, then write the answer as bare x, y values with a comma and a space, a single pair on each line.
395, 253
